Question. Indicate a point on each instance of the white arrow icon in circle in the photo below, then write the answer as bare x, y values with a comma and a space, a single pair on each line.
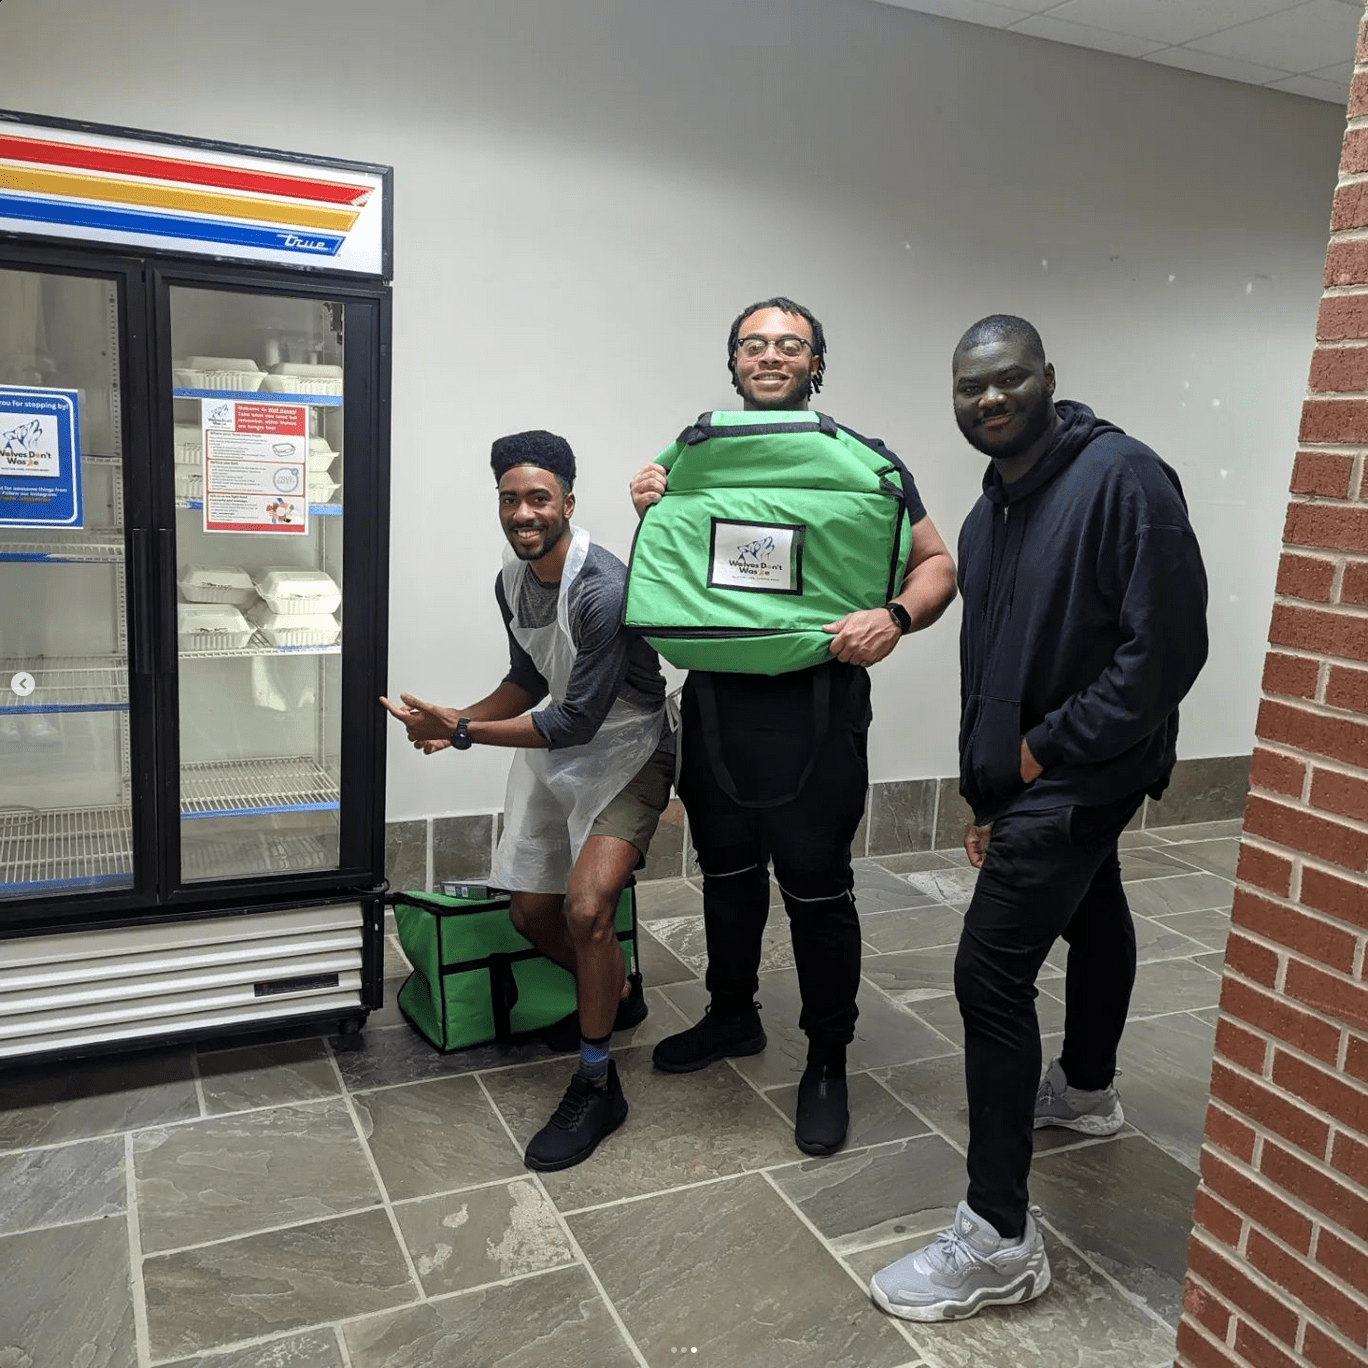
22, 684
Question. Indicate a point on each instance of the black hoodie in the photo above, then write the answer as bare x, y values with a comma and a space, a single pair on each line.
1084, 623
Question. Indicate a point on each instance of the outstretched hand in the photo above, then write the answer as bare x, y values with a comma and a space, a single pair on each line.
863, 638
428, 725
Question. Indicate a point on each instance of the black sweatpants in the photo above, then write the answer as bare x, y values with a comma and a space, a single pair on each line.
763, 731
1047, 874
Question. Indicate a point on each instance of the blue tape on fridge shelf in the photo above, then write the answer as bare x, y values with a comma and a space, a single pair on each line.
305, 241
40, 458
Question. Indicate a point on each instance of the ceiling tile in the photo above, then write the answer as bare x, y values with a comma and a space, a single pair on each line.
970, 11
1314, 86
1313, 35
1080, 35
1166, 21
1209, 64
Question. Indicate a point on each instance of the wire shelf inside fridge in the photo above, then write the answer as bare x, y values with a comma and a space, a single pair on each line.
233, 788
99, 546
260, 852
257, 646
66, 684
65, 848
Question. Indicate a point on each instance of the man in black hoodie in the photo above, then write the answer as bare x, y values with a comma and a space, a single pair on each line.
1084, 626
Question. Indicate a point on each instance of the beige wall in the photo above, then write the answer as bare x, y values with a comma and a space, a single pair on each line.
586, 191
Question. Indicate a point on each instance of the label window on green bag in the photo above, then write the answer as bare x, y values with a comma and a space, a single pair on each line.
764, 558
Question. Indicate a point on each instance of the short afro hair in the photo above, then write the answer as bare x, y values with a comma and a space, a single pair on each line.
1000, 328
784, 305
535, 448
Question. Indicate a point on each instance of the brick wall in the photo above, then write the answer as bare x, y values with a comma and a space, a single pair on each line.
1278, 1261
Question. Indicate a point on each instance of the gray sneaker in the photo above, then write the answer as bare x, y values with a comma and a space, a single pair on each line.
1094, 1113
968, 1267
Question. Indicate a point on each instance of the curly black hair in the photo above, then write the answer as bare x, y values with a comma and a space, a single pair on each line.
1000, 328
785, 305
535, 448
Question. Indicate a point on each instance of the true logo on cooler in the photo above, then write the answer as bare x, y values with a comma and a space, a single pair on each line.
306, 244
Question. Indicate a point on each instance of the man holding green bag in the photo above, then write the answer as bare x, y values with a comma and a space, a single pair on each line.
591, 773
773, 766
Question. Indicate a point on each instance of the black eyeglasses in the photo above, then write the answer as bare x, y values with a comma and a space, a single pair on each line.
790, 345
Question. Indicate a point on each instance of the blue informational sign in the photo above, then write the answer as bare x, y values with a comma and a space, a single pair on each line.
40, 458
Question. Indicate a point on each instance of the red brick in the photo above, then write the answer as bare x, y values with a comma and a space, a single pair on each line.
1269, 1109
1354, 587
1251, 961
1279, 774
1356, 1066
1333, 527
1231, 1134
1349, 1157
1314, 1188
1346, 795
1305, 1285
1305, 577
1295, 676
1260, 1305
1327, 473
1326, 1092
1263, 869
1319, 1350
1358, 94
1319, 631
1350, 208
1250, 1198
1336, 897
1338, 998
1346, 263
1307, 832
1335, 370
1196, 1349
1240, 1046
1206, 1309
1256, 1348
1346, 688
1339, 738
1276, 1017
1216, 1218
1346, 1262
1342, 318
1292, 927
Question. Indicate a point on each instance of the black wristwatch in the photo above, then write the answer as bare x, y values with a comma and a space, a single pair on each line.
460, 738
901, 616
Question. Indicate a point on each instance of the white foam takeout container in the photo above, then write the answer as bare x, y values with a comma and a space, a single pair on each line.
289, 590
212, 627
217, 584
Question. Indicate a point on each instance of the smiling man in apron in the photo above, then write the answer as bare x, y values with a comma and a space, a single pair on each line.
592, 771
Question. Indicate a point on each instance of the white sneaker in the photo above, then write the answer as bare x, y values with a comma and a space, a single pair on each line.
966, 1268
1096, 1112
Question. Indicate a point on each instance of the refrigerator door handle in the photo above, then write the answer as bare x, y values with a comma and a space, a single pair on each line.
142, 579
167, 603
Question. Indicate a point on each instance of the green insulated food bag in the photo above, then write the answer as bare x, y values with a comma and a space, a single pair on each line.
772, 524
475, 978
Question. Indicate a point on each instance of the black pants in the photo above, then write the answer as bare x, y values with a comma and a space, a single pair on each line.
764, 731
1046, 874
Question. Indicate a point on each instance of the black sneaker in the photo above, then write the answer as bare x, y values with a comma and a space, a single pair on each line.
563, 1036
715, 1037
823, 1109
586, 1115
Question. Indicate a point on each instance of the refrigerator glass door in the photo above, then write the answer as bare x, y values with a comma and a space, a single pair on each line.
65, 782
258, 405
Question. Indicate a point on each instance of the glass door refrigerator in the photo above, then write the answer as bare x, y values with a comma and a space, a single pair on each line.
194, 462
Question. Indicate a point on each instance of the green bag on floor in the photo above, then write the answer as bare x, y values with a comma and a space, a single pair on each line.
476, 979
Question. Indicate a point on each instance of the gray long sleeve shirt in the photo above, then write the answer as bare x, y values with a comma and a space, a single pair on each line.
610, 662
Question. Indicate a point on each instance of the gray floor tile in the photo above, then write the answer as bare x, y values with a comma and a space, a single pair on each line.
467, 1239
681, 1128
919, 861
740, 1309
668, 898
1182, 893
40, 1105
1131, 840
876, 1194
79, 1182
65, 1298
1089, 1195
659, 962
314, 1349
264, 1075
233, 1175
934, 1088
1166, 1079
685, 939
555, 1318
954, 885
1150, 862
910, 975
1217, 857
1206, 928
1200, 831
398, 1054
388, 1013
1081, 1321
1173, 986
1214, 962
933, 924
434, 1136
876, 1116
264, 1284
1155, 940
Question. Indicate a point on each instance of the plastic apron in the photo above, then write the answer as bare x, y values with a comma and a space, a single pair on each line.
553, 796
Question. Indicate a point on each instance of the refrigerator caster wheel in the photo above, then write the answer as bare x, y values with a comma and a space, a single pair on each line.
350, 1026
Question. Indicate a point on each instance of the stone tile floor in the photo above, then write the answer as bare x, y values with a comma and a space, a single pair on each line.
362, 1203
